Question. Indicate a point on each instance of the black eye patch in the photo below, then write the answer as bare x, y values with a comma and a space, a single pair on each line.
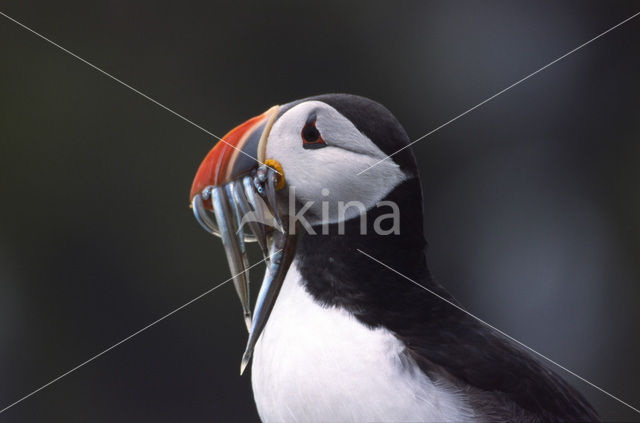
311, 138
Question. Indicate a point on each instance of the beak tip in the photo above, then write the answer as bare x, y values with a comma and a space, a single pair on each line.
245, 361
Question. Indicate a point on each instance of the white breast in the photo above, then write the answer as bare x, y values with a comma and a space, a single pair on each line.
316, 364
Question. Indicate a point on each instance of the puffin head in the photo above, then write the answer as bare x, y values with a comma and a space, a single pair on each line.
305, 167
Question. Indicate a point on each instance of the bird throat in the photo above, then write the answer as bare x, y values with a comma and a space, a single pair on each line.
337, 274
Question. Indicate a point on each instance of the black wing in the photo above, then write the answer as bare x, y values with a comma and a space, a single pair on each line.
507, 379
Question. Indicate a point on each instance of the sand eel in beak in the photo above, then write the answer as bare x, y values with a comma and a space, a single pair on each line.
333, 335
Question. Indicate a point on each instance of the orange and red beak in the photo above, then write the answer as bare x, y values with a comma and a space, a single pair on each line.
236, 154
234, 185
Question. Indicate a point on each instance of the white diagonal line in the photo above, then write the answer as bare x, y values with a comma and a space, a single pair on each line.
502, 91
154, 101
132, 335
500, 332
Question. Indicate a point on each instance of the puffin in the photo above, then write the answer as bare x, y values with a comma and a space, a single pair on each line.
322, 185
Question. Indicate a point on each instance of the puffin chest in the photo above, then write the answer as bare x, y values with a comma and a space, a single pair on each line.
315, 363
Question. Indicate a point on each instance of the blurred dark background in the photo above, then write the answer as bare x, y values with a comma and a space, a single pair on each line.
532, 203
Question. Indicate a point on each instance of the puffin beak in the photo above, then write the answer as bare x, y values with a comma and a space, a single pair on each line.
236, 185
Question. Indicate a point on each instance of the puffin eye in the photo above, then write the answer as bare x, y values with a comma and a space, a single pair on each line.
311, 138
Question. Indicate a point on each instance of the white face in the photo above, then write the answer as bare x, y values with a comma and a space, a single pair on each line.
330, 174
